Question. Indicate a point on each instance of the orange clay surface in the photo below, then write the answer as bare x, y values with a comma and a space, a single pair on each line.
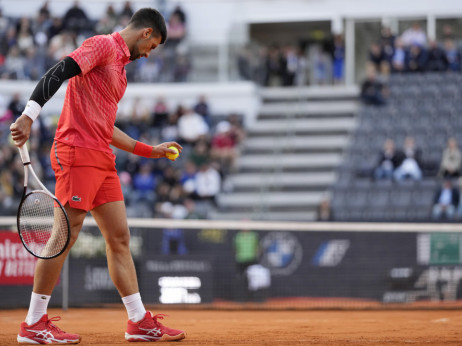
106, 326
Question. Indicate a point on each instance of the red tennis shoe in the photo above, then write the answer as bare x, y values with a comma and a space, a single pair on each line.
45, 332
149, 329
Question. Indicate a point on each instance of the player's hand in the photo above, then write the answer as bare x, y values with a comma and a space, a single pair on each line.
20, 130
161, 150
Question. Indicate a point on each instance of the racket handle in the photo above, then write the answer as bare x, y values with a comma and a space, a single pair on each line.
24, 153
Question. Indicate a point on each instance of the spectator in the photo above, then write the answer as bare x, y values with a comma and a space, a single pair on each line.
448, 32
107, 22
45, 11
451, 161
202, 108
188, 178
178, 11
127, 10
389, 159
144, 184
399, 57
338, 59
61, 45
445, 201
16, 106
300, 74
208, 183
290, 61
223, 148
191, 127
237, 130
373, 91
170, 132
14, 64
320, 65
244, 63
200, 153
75, 18
414, 36
437, 59
176, 30
246, 252
388, 44
55, 28
324, 212
453, 55
411, 165
24, 35
192, 214
160, 113
416, 60
377, 56
8, 41
274, 67
173, 239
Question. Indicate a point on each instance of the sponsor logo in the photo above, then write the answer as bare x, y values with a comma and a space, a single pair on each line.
153, 332
282, 253
76, 199
331, 253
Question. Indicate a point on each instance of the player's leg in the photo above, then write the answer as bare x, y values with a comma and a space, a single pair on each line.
38, 328
142, 325
112, 221
47, 270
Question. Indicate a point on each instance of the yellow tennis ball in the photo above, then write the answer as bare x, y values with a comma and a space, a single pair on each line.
173, 156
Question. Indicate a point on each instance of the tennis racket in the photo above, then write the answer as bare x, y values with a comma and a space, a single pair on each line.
43, 224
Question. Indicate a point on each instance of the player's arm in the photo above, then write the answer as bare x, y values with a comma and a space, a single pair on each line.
124, 142
45, 89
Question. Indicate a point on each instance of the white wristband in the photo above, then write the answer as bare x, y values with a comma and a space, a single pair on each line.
32, 109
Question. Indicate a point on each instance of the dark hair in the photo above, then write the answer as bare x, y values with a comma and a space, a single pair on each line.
150, 18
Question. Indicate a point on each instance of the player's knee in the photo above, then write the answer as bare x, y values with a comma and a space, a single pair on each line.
119, 242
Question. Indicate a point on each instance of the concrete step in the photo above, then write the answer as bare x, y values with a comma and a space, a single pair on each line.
269, 216
310, 108
296, 143
311, 92
252, 181
253, 200
258, 162
302, 126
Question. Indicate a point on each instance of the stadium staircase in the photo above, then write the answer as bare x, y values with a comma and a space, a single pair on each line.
291, 154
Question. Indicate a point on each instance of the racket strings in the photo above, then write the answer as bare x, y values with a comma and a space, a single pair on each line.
43, 225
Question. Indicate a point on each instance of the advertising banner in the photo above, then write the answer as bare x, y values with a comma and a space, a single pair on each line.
16, 264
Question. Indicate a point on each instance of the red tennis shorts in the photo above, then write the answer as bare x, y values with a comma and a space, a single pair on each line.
85, 178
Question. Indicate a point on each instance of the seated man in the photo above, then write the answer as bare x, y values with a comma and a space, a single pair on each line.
445, 202
411, 164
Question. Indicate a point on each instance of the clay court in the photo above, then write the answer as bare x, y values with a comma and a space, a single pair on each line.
265, 327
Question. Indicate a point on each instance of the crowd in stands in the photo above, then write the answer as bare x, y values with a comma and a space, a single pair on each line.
291, 65
30, 46
411, 52
186, 188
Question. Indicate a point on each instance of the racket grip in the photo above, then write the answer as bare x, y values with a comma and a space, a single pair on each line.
24, 153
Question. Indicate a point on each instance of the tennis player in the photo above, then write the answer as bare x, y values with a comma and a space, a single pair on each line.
84, 165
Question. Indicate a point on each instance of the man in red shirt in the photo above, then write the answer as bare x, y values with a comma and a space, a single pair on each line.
84, 165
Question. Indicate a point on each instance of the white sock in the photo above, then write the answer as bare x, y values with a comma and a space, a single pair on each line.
37, 308
135, 307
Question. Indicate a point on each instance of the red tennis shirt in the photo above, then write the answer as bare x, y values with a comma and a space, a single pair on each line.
90, 105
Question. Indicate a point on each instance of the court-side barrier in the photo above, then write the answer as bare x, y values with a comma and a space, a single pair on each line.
280, 265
